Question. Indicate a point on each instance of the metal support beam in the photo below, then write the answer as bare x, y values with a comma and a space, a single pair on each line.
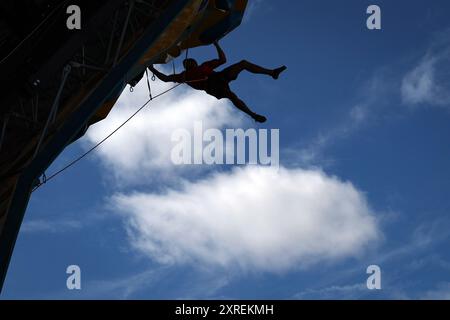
54, 110
111, 38
75, 64
124, 31
2, 136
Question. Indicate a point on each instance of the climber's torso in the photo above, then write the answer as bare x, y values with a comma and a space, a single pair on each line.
205, 78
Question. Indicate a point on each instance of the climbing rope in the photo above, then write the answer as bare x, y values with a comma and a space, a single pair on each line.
72, 163
45, 179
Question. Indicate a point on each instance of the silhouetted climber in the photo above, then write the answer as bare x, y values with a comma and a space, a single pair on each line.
203, 77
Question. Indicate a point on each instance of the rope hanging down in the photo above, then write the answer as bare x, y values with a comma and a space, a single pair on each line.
46, 179
148, 84
72, 163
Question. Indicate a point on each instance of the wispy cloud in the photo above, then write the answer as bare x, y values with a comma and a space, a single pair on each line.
252, 7
428, 84
441, 292
50, 226
373, 98
402, 266
120, 288
345, 292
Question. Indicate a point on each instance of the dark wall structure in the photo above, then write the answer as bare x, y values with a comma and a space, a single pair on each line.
56, 82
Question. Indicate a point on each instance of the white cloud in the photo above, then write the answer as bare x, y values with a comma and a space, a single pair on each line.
141, 150
253, 218
428, 82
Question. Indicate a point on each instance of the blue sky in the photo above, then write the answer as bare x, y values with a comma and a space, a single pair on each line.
364, 123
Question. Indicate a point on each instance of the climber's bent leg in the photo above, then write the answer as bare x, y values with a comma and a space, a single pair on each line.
238, 103
233, 71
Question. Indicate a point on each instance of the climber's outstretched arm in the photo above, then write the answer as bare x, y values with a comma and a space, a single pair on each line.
163, 77
222, 57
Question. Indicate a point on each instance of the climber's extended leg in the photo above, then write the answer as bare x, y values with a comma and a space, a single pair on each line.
243, 107
232, 72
